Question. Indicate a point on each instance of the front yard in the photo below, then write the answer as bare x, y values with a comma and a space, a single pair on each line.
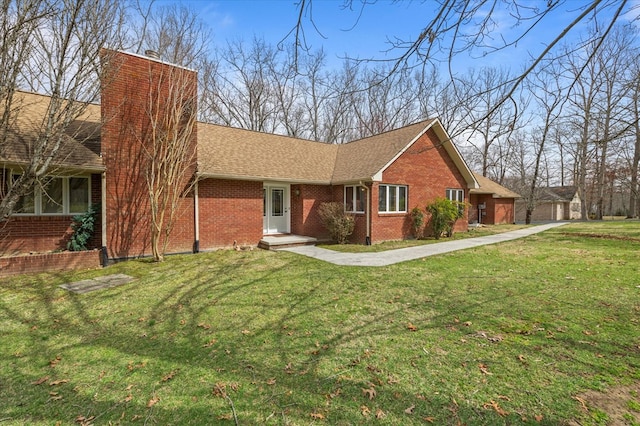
532, 331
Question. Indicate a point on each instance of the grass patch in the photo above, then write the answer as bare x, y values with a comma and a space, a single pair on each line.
502, 334
392, 245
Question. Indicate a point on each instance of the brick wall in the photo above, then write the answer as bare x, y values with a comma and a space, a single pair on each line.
38, 234
36, 263
428, 170
134, 86
230, 210
304, 209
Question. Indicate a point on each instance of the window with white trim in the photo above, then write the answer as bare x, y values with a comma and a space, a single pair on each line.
455, 195
392, 199
56, 196
354, 199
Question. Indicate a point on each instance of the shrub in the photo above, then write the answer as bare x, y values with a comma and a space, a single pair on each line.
339, 223
83, 226
417, 222
444, 214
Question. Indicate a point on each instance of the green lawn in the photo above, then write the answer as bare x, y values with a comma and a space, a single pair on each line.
510, 333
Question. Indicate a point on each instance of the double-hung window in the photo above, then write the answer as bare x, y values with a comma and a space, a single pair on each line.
354, 199
392, 199
455, 195
57, 196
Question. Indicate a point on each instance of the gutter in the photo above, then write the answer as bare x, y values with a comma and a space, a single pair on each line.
103, 213
196, 219
367, 238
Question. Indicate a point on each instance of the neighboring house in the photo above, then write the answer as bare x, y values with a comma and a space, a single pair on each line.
491, 203
248, 184
553, 203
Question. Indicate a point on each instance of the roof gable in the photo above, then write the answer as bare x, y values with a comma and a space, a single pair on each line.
487, 186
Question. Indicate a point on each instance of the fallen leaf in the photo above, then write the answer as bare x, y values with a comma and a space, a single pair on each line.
40, 380
496, 407
410, 409
392, 380
153, 401
128, 388
521, 358
365, 410
58, 382
210, 343
205, 326
245, 332
412, 327
317, 416
84, 420
380, 414
54, 361
169, 376
582, 402
429, 419
538, 417
484, 369
371, 392
271, 381
504, 398
227, 416
128, 398
220, 390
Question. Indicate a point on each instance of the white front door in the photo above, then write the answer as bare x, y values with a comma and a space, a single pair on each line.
275, 209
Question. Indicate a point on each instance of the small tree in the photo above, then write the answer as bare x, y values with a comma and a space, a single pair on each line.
444, 214
339, 223
417, 222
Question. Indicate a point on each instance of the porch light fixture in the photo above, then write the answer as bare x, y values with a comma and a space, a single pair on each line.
297, 192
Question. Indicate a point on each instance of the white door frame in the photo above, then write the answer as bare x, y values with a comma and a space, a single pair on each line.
276, 223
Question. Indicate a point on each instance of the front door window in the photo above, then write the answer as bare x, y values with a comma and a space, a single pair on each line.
275, 209
277, 202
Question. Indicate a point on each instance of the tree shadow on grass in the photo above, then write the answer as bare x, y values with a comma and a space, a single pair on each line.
276, 343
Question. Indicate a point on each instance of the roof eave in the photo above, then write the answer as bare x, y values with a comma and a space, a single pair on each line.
256, 178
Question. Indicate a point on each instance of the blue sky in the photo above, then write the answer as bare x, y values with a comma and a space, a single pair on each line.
364, 35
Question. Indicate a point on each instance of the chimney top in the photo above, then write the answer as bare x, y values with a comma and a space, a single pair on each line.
152, 54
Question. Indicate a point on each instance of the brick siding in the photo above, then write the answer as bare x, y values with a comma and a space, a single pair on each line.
124, 101
36, 263
230, 211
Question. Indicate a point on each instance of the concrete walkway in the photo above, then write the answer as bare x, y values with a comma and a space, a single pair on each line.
391, 257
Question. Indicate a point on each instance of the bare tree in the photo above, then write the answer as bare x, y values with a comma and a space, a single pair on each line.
169, 145
475, 28
634, 84
549, 98
487, 122
174, 32
51, 47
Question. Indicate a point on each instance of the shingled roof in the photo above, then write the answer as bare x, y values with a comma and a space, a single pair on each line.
225, 152
558, 193
487, 186
80, 143
232, 153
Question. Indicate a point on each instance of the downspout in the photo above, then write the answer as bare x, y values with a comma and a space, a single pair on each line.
103, 212
367, 238
196, 218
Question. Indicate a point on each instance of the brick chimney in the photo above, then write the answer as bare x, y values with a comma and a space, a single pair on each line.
135, 88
